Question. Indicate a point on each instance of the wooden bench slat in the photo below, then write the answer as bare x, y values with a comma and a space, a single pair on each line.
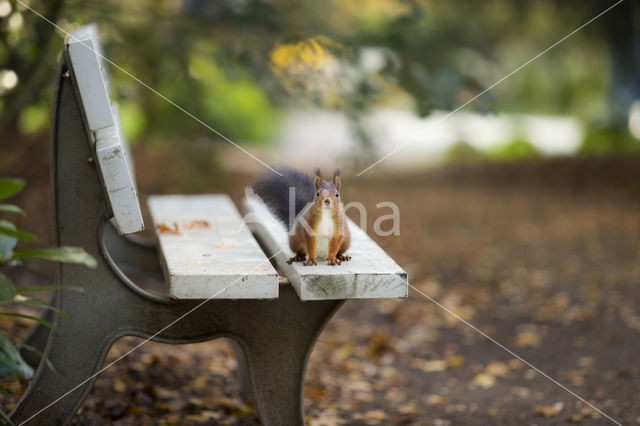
211, 250
90, 81
116, 175
114, 162
91, 31
370, 274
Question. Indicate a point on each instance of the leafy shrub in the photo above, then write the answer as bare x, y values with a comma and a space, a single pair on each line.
608, 140
514, 150
462, 152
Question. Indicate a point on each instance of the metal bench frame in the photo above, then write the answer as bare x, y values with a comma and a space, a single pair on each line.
276, 336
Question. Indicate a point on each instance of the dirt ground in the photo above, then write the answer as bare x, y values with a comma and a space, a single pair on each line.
541, 256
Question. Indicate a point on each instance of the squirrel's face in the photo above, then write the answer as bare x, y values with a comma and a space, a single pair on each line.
327, 193
327, 196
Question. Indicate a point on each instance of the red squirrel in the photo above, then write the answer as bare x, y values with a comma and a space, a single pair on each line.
319, 229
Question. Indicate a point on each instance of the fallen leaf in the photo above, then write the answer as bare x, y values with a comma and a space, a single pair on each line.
197, 224
455, 361
497, 368
164, 393
435, 399
484, 380
200, 383
429, 366
171, 419
586, 361
379, 343
527, 339
234, 405
119, 386
549, 410
197, 418
410, 408
515, 364
573, 418
375, 415
314, 392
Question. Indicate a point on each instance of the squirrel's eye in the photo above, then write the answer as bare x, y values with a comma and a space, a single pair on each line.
318, 194
337, 195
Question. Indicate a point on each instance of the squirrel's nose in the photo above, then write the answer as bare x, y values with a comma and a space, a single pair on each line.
327, 202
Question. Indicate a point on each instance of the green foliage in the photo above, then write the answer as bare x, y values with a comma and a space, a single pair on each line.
9, 187
515, 150
7, 291
232, 103
133, 120
7, 243
9, 229
58, 254
518, 149
33, 119
462, 152
604, 140
10, 208
11, 362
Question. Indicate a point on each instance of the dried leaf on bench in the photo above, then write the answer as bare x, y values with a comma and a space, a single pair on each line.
164, 229
194, 224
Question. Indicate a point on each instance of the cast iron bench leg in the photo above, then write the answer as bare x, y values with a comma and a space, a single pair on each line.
37, 338
276, 336
277, 351
77, 352
242, 373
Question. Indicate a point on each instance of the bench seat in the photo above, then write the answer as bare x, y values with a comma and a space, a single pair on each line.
206, 250
370, 274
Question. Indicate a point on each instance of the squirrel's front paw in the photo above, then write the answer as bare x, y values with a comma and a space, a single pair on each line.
297, 258
310, 262
334, 261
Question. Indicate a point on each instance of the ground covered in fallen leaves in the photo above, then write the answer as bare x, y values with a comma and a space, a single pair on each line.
543, 257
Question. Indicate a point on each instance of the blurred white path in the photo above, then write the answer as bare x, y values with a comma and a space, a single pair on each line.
318, 138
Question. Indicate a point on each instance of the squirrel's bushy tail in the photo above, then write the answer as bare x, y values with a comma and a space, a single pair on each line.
274, 191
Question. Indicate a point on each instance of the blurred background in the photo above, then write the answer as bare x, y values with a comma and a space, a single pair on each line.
347, 82
519, 212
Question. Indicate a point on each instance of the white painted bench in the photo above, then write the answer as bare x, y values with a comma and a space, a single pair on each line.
221, 282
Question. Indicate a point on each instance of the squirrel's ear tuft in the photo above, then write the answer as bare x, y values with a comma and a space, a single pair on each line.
318, 182
337, 182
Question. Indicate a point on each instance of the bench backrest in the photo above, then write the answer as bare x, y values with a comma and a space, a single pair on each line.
88, 71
